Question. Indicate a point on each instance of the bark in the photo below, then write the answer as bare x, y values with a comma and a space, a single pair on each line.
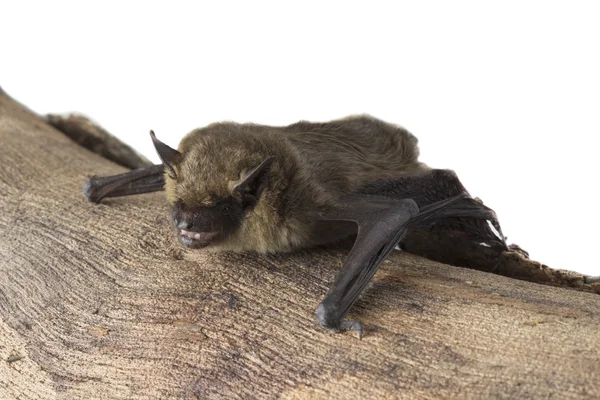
100, 302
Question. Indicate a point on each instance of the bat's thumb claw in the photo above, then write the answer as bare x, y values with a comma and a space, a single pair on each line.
352, 326
329, 319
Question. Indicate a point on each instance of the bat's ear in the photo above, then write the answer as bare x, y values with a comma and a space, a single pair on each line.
168, 156
254, 181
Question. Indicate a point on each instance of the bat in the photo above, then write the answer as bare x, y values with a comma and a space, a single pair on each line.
249, 187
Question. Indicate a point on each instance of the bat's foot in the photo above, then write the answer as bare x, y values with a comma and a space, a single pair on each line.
592, 279
326, 317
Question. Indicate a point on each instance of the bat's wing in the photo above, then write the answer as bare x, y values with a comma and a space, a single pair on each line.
434, 186
382, 223
143, 180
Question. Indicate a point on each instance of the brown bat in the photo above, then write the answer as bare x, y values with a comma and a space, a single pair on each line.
247, 187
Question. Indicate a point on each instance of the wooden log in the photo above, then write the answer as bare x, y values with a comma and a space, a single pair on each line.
100, 302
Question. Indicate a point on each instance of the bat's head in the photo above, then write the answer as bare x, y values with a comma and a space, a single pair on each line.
212, 186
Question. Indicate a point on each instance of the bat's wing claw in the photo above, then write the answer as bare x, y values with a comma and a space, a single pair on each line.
351, 326
329, 320
345, 326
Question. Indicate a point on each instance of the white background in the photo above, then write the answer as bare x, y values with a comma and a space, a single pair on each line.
506, 94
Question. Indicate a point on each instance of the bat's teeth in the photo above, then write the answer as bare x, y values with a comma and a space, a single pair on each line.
202, 236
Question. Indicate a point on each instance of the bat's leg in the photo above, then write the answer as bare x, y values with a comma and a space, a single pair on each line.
144, 180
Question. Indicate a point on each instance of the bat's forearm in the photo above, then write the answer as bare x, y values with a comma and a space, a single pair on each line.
381, 225
144, 180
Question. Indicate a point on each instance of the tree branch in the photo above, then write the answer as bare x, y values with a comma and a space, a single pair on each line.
100, 302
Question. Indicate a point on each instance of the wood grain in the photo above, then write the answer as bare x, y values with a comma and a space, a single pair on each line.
100, 302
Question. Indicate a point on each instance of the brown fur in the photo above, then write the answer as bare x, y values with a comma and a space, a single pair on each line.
316, 164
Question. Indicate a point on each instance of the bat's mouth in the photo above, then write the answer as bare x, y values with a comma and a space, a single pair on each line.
196, 240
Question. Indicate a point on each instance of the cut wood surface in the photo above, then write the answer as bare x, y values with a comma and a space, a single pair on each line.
101, 302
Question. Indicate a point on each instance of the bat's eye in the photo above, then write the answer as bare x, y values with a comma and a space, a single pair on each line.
225, 210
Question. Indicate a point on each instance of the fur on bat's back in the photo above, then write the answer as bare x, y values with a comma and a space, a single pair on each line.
349, 153
316, 163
